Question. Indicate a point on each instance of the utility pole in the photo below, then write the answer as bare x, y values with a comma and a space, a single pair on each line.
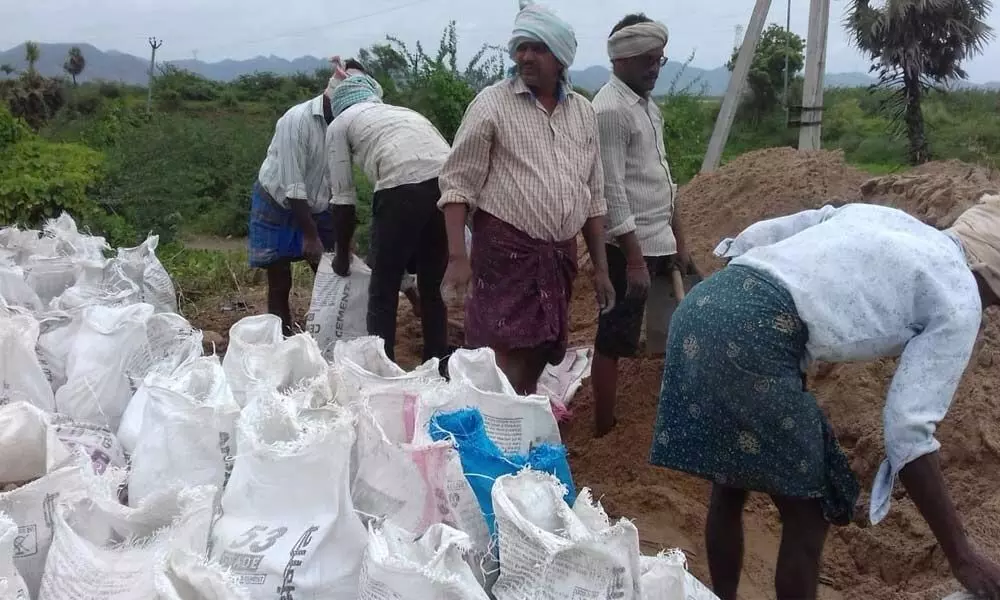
810, 131
154, 44
735, 90
788, 35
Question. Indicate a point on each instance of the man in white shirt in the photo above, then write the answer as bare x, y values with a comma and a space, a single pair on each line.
290, 217
644, 238
401, 153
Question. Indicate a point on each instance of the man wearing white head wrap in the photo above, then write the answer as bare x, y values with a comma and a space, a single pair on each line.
535, 23
644, 238
401, 153
526, 159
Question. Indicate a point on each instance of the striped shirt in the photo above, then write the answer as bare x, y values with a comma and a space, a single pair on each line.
637, 185
540, 173
393, 145
295, 166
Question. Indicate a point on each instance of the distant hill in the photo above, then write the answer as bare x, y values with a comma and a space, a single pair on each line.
112, 65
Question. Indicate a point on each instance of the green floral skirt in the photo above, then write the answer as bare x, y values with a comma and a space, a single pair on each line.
733, 408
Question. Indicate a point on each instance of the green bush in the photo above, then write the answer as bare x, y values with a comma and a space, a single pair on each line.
40, 179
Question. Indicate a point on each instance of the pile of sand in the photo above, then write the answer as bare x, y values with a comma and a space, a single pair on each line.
899, 557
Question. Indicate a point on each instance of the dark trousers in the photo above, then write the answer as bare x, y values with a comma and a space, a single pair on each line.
408, 230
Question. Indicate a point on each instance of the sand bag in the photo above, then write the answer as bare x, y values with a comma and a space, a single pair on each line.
56, 331
29, 444
142, 266
514, 423
483, 462
94, 442
339, 307
399, 480
98, 285
21, 376
362, 367
20, 243
49, 277
188, 426
251, 341
12, 586
31, 507
548, 552
170, 343
561, 382
665, 577
15, 291
430, 567
97, 386
396, 414
287, 520
102, 549
479, 369
60, 237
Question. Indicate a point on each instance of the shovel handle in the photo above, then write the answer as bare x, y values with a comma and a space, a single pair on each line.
675, 275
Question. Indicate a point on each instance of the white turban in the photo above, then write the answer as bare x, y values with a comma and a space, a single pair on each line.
637, 39
979, 230
535, 23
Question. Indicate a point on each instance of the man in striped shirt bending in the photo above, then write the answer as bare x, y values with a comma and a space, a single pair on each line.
644, 237
290, 217
526, 160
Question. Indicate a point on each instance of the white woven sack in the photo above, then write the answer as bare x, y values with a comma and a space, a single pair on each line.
339, 307
398, 480
287, 521
12, 586
32, 507
363, 367
398, 564
21, 376
665, 577
551, 552
252, 341
102, 549
97, 386
145, 269
187, 431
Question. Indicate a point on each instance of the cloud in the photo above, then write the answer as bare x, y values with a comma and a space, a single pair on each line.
229, 29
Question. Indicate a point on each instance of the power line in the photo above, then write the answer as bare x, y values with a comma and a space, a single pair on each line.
297, 32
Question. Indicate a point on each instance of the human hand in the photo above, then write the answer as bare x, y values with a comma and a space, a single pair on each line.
638, 280
455, 284
312, 249
605, 291
979, 575
342, 264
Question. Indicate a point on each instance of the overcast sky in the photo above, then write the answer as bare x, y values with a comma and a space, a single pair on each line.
212, 30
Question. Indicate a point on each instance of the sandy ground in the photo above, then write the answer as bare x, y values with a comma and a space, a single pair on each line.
896, 560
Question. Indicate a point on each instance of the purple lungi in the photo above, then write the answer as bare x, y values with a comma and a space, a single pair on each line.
520, 291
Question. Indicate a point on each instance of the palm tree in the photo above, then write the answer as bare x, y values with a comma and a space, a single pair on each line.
915, 45
31, 55
7, 70
75, 63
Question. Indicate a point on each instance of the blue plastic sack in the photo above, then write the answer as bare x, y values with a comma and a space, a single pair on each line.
483, 462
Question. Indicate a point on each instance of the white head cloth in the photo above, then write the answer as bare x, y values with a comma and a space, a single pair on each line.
637, 39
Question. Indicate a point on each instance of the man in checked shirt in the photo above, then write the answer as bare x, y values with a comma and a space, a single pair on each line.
526, 160
644, 235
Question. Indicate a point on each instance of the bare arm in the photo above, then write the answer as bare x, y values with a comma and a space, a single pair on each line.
455, 215
925, 485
